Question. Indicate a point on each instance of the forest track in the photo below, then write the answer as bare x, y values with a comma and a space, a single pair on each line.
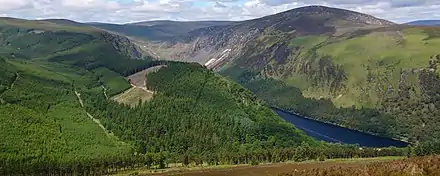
110, 135
139, 78
17, 76
105, 92
97, 122
78, 95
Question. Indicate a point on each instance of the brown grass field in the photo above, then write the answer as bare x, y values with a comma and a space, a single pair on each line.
131, 96
385, 166
139, 90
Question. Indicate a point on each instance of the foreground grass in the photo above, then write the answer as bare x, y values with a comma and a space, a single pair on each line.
178, 169
418, 166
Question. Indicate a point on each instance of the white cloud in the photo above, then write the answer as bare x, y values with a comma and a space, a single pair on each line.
9, 5
121, 11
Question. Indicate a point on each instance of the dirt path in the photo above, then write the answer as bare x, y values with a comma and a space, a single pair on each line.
138, 78
78, 95
17, 75
97, 122
105, 91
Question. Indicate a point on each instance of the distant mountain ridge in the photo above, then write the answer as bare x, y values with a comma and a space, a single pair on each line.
425, 22
196, 24
157, 30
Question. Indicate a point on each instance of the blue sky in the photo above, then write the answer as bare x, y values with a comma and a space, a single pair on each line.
125, 11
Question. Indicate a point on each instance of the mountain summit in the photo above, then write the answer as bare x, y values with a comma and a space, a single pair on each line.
227, 41
335, 14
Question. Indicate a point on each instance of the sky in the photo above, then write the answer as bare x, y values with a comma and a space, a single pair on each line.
126, 11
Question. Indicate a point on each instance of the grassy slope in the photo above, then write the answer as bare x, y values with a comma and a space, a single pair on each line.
385, 53
381, 72
381, 54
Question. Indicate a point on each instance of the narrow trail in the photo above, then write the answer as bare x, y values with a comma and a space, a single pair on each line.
17, 76
105, 92
97, 122
110, 135
79, 99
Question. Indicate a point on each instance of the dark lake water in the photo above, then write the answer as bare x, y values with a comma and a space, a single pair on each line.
336, 134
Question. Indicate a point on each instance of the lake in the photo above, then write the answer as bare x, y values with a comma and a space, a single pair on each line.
336, 134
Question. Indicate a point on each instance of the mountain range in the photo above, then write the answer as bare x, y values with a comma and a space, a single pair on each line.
59, 79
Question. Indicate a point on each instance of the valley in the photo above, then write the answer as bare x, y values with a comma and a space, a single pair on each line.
220, 97
357, 66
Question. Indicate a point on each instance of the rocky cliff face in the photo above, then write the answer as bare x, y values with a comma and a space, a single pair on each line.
123, 45
209, 43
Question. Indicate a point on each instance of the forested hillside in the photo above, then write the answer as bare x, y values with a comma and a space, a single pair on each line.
42, 121
42, 67
196, 113
57, 118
